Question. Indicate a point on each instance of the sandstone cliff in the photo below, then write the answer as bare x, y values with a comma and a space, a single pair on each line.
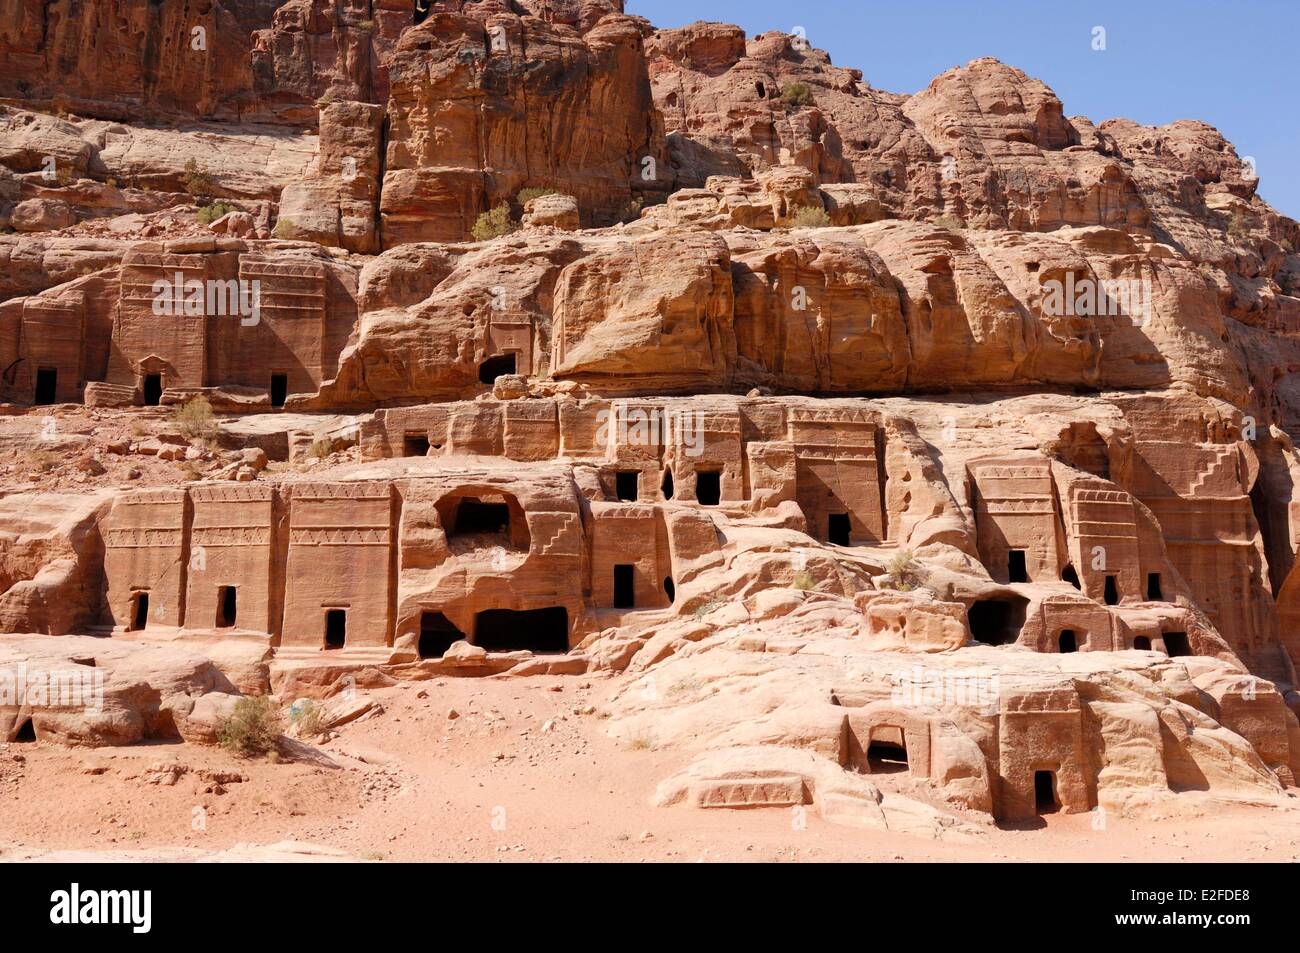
524, 337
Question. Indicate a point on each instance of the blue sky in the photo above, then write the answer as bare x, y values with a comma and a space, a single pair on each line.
1231, 65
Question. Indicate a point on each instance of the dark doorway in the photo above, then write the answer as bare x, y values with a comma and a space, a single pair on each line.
152, 390
1069, 575
626, 484
47, 385
415, 445
708, 487
1016, 569
279, 389
336, 628
624, 586
495, 367
26, 734
1045, 800
421, 11
1067, 641
997, 621
1176, 644
670, 590
227, 606
837, 529
474, 516
667, 485
437, 634
883, 758
1142, 643
509, 630
139, 612
1154, 592
1111, 597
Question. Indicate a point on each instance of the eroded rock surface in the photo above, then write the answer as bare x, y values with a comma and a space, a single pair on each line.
918, 460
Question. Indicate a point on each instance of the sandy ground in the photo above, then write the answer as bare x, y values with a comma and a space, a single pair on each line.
495, 784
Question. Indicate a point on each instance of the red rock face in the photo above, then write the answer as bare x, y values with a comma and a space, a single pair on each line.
667, 349
485, 105
129, 59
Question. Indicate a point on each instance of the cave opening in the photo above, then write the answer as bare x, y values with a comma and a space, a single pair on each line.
627, 485
1176, 644
837, 529
475, 516
708, 487
336, 628
1017, 570
1067, 641
535, 630
624, 586
437, 635
1069, 575
139, 611
886, 758
415, 444
1111, 596
26, 733
227, 606
279, 389
1154, 591
997, 621
1045, 799
495, 367
153, 390
47, 386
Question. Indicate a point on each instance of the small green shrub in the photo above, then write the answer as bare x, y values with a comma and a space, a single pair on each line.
195, 420
796, 95
42, 461
252, 729
641, 741
803, 580
809, 216
308, 718
320, 449
690, 685
527, 195
1239, 225
905, 571
632, 210
210, 213
494, 224
706, 607
197, 182
950, 222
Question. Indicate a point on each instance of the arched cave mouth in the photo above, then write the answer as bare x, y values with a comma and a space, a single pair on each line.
475, 519
884, 757
997, 620
437, 634
494, 367
544, 631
